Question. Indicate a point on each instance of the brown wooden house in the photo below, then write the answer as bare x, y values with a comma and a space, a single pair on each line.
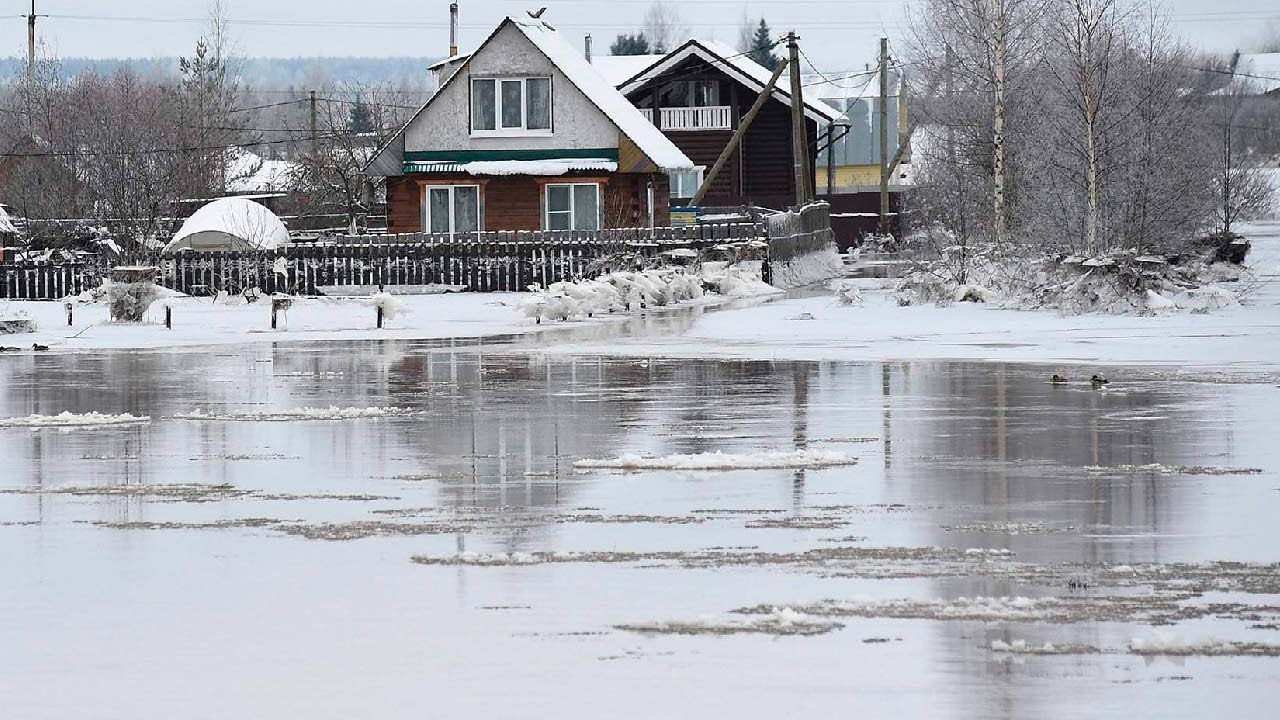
525, 135
697, 95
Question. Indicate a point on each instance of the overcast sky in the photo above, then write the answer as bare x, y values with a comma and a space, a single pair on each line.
836, 34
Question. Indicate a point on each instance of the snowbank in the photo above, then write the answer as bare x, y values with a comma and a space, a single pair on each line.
70, 420
628, 291
722, 461
301, 414
807, 269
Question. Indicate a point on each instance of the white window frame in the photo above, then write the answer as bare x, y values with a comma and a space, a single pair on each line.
673, 181
523, 130
546, 205
426, 207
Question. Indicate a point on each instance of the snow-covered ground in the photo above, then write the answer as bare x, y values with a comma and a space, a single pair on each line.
814, 327
822, 328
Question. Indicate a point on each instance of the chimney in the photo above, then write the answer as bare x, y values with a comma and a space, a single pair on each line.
586, 46
453, 29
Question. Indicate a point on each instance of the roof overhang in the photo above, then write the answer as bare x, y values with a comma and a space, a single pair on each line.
814, 109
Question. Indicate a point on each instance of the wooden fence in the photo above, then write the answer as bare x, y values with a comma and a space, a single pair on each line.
799, 232
44, 280
487, 261
484, 262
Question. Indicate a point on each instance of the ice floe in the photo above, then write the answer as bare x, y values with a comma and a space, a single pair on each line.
724, 461
70, 420
299, 414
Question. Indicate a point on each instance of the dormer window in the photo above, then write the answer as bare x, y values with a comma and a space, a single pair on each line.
511, 106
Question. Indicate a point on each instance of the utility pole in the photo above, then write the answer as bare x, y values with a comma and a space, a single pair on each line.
313, 121
884, 136
31, 46
799, 143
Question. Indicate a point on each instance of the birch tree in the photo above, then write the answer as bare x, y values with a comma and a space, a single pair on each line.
982, 53
1241, 190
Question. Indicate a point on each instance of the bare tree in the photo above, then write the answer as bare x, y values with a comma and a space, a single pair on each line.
663, 26
1241, 190
330, 164
982, 52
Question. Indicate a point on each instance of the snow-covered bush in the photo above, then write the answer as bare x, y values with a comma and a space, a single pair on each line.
14, 321
128, 302
392, 306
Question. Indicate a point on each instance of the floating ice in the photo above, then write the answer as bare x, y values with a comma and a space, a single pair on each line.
74, 420
306, 413
724, 461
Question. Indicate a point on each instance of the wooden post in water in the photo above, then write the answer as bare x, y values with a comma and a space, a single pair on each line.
68, 307
379, 317
168, 317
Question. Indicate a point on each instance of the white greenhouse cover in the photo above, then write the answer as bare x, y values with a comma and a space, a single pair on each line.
230, 224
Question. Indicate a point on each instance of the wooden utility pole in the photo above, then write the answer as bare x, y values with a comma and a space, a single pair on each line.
884, 136
313, 121
31, 46
799, 142
739, 133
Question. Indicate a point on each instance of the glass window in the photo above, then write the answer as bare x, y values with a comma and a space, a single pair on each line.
512, 104
573, 206
482, 105
586, 207
559, 207
685, 184
538, 97
438, 210
706, 93
452, 209
466, 208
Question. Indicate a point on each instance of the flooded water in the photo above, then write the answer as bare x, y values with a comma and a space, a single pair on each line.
428, 549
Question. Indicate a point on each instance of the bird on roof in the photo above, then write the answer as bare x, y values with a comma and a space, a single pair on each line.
536, 14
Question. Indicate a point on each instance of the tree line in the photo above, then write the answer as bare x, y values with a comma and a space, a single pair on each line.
1077, 126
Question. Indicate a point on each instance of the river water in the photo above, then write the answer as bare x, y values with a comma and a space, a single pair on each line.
445, 557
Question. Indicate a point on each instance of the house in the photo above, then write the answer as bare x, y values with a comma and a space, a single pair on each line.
524, 134
854, 156
8, 233
697, 94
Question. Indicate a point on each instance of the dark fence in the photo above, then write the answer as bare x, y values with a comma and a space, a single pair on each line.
484, 262
47, 281
487, 261
799, 232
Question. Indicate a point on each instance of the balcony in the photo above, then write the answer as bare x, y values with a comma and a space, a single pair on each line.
682, 119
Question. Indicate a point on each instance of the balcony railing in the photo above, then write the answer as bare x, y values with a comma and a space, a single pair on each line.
716, 117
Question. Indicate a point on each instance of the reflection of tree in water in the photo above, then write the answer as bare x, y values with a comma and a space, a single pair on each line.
1000, 445
504, 431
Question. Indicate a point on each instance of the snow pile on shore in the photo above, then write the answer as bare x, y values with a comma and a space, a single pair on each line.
628, 291
300, 414
722, 461
1121, 282
74, 420
14, 321
807, 269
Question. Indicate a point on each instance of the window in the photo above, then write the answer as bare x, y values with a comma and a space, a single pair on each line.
451, 209
573, 207
685, 184
503, 106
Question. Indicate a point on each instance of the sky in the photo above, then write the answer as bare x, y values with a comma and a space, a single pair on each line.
835, 34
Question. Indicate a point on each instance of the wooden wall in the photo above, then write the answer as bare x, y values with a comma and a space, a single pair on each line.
515, 202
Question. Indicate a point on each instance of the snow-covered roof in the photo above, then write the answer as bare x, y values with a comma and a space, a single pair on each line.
617, 108
1258, 73
514, 167
6, 225
618, 69
230, 224
249, 173
738, 66
604, 95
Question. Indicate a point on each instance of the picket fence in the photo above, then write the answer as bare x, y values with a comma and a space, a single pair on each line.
486, 261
